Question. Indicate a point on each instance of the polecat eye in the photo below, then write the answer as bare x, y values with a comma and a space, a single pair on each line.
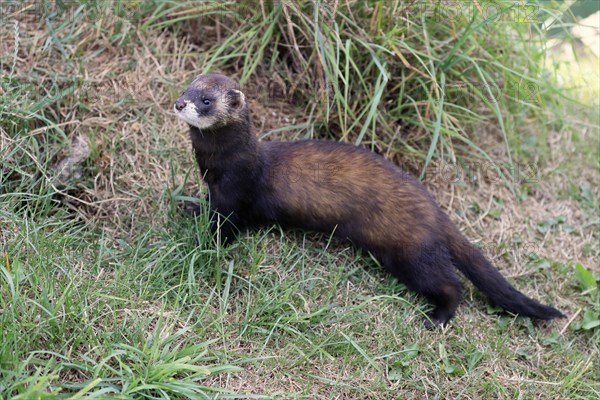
206, 102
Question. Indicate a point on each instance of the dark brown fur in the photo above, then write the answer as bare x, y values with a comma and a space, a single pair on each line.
330, 186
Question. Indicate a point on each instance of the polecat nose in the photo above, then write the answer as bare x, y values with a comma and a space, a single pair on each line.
179, 105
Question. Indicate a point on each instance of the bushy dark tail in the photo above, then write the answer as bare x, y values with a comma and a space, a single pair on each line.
471, 262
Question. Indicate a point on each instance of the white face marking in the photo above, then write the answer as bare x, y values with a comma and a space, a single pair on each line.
189, 115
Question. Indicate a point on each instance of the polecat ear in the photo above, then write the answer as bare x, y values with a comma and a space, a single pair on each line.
236, 99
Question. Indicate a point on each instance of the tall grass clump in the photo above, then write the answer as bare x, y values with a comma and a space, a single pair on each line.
421, 78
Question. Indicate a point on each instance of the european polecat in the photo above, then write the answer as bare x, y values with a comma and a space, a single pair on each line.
335, 187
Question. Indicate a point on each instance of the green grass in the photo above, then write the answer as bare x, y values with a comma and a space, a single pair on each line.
108, 290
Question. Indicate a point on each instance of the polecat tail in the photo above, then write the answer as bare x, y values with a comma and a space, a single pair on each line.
471, 262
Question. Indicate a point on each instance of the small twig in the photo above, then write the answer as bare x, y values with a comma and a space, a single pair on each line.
4, 245
531, 381
570, 321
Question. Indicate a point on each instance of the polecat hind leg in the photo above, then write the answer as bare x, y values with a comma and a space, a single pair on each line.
429, 271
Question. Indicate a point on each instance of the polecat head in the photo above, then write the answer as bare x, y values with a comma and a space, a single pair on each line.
211, 101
